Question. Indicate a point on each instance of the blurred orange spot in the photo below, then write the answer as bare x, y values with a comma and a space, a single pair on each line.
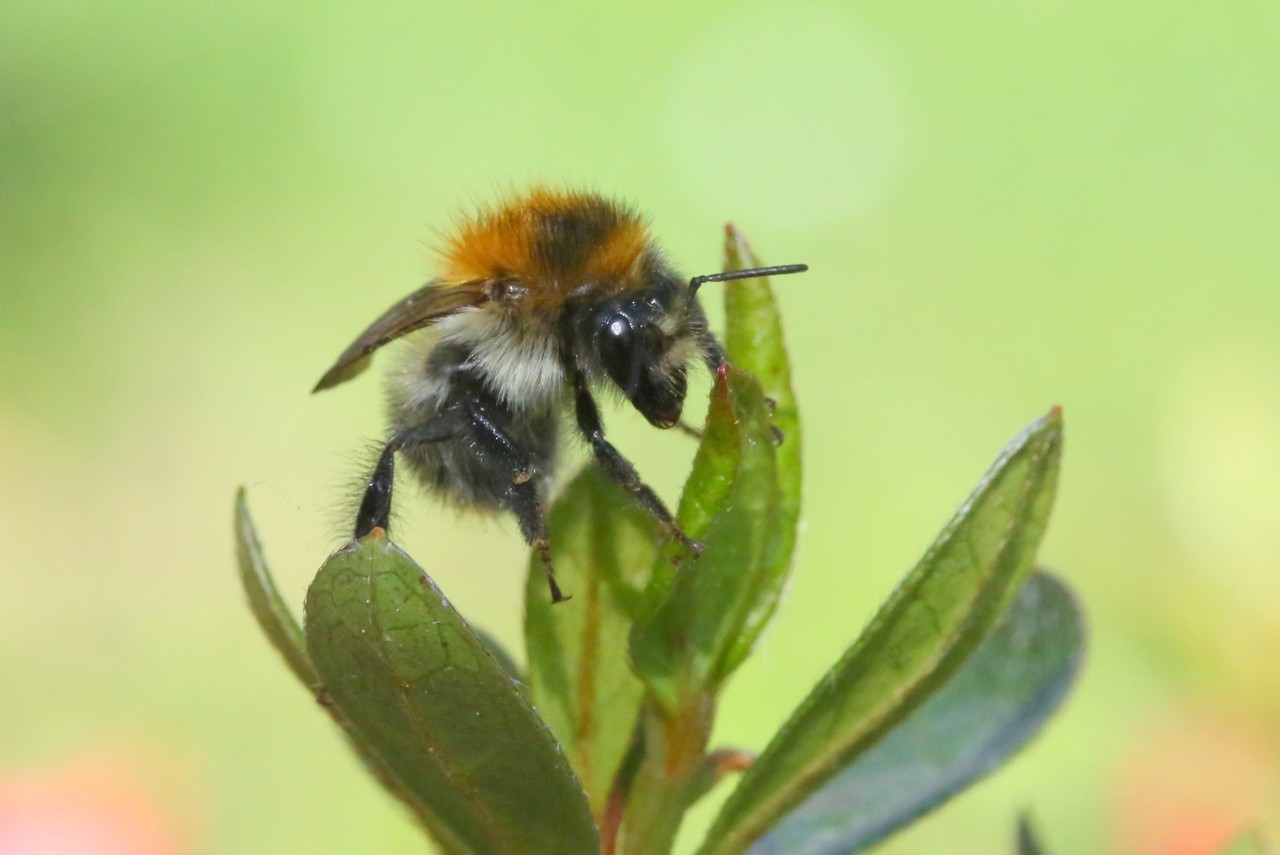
81, 811
1189, 785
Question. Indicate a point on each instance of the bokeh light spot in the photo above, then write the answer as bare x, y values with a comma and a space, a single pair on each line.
786, 116
83, 809
1221, 457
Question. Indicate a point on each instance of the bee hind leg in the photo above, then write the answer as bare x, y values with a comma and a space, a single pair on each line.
375, 506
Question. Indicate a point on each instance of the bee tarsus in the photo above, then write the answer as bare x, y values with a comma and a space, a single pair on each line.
375, 506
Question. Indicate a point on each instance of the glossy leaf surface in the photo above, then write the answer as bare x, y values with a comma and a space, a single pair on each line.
682, 648
604, 546
418, 690
921, 637
283, 632
1003, 695
755, 343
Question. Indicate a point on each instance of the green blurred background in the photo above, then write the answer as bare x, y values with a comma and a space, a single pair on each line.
1005, 206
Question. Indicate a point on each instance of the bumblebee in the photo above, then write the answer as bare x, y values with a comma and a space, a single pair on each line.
538, 302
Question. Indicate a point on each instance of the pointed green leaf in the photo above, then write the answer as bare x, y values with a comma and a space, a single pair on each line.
1028, 841
683, 647
416, 689
277, 622
604, 546
754, 342
917, 641
1249, 843
1003, 695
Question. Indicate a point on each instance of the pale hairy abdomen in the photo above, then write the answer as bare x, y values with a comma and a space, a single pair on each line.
518, 360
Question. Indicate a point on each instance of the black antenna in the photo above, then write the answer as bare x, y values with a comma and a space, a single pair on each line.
728, 276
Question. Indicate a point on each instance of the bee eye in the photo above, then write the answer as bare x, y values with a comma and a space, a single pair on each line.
616, 344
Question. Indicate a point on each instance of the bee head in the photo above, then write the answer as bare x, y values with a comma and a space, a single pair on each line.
643, 342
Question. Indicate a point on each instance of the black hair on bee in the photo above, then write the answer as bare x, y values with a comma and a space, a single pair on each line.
538, 301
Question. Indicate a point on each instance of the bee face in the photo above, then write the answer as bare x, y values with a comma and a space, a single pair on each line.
642, 341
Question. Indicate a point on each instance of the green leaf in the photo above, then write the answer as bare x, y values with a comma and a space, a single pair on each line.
286, 636
417, 690
1006, 691
500, 655
754, 342
604, 545
1028, 842
1249, 843
917, 641
683, 647
277, 622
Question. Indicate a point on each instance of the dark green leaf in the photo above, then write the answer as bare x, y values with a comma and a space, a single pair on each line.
265, 602
682, 648
604, 546
754, 341
500, 654
418, 691
1005, 692
1028, 842
917, 641
286, 636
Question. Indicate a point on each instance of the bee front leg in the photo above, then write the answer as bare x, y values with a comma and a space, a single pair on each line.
618, 467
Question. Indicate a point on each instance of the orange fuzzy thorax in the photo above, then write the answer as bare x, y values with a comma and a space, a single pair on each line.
550, 241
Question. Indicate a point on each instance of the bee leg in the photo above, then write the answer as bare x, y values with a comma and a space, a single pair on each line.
688, 429
524, 502
522, 497
504, 444
618, 467
375, 506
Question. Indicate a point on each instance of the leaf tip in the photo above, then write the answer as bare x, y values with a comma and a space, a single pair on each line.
1028, 840
1053, 427
1045, 433
242, 509
246, 532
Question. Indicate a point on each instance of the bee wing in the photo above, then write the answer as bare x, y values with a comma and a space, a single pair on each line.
425, 306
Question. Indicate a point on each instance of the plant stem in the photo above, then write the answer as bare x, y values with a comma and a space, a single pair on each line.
670, 778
